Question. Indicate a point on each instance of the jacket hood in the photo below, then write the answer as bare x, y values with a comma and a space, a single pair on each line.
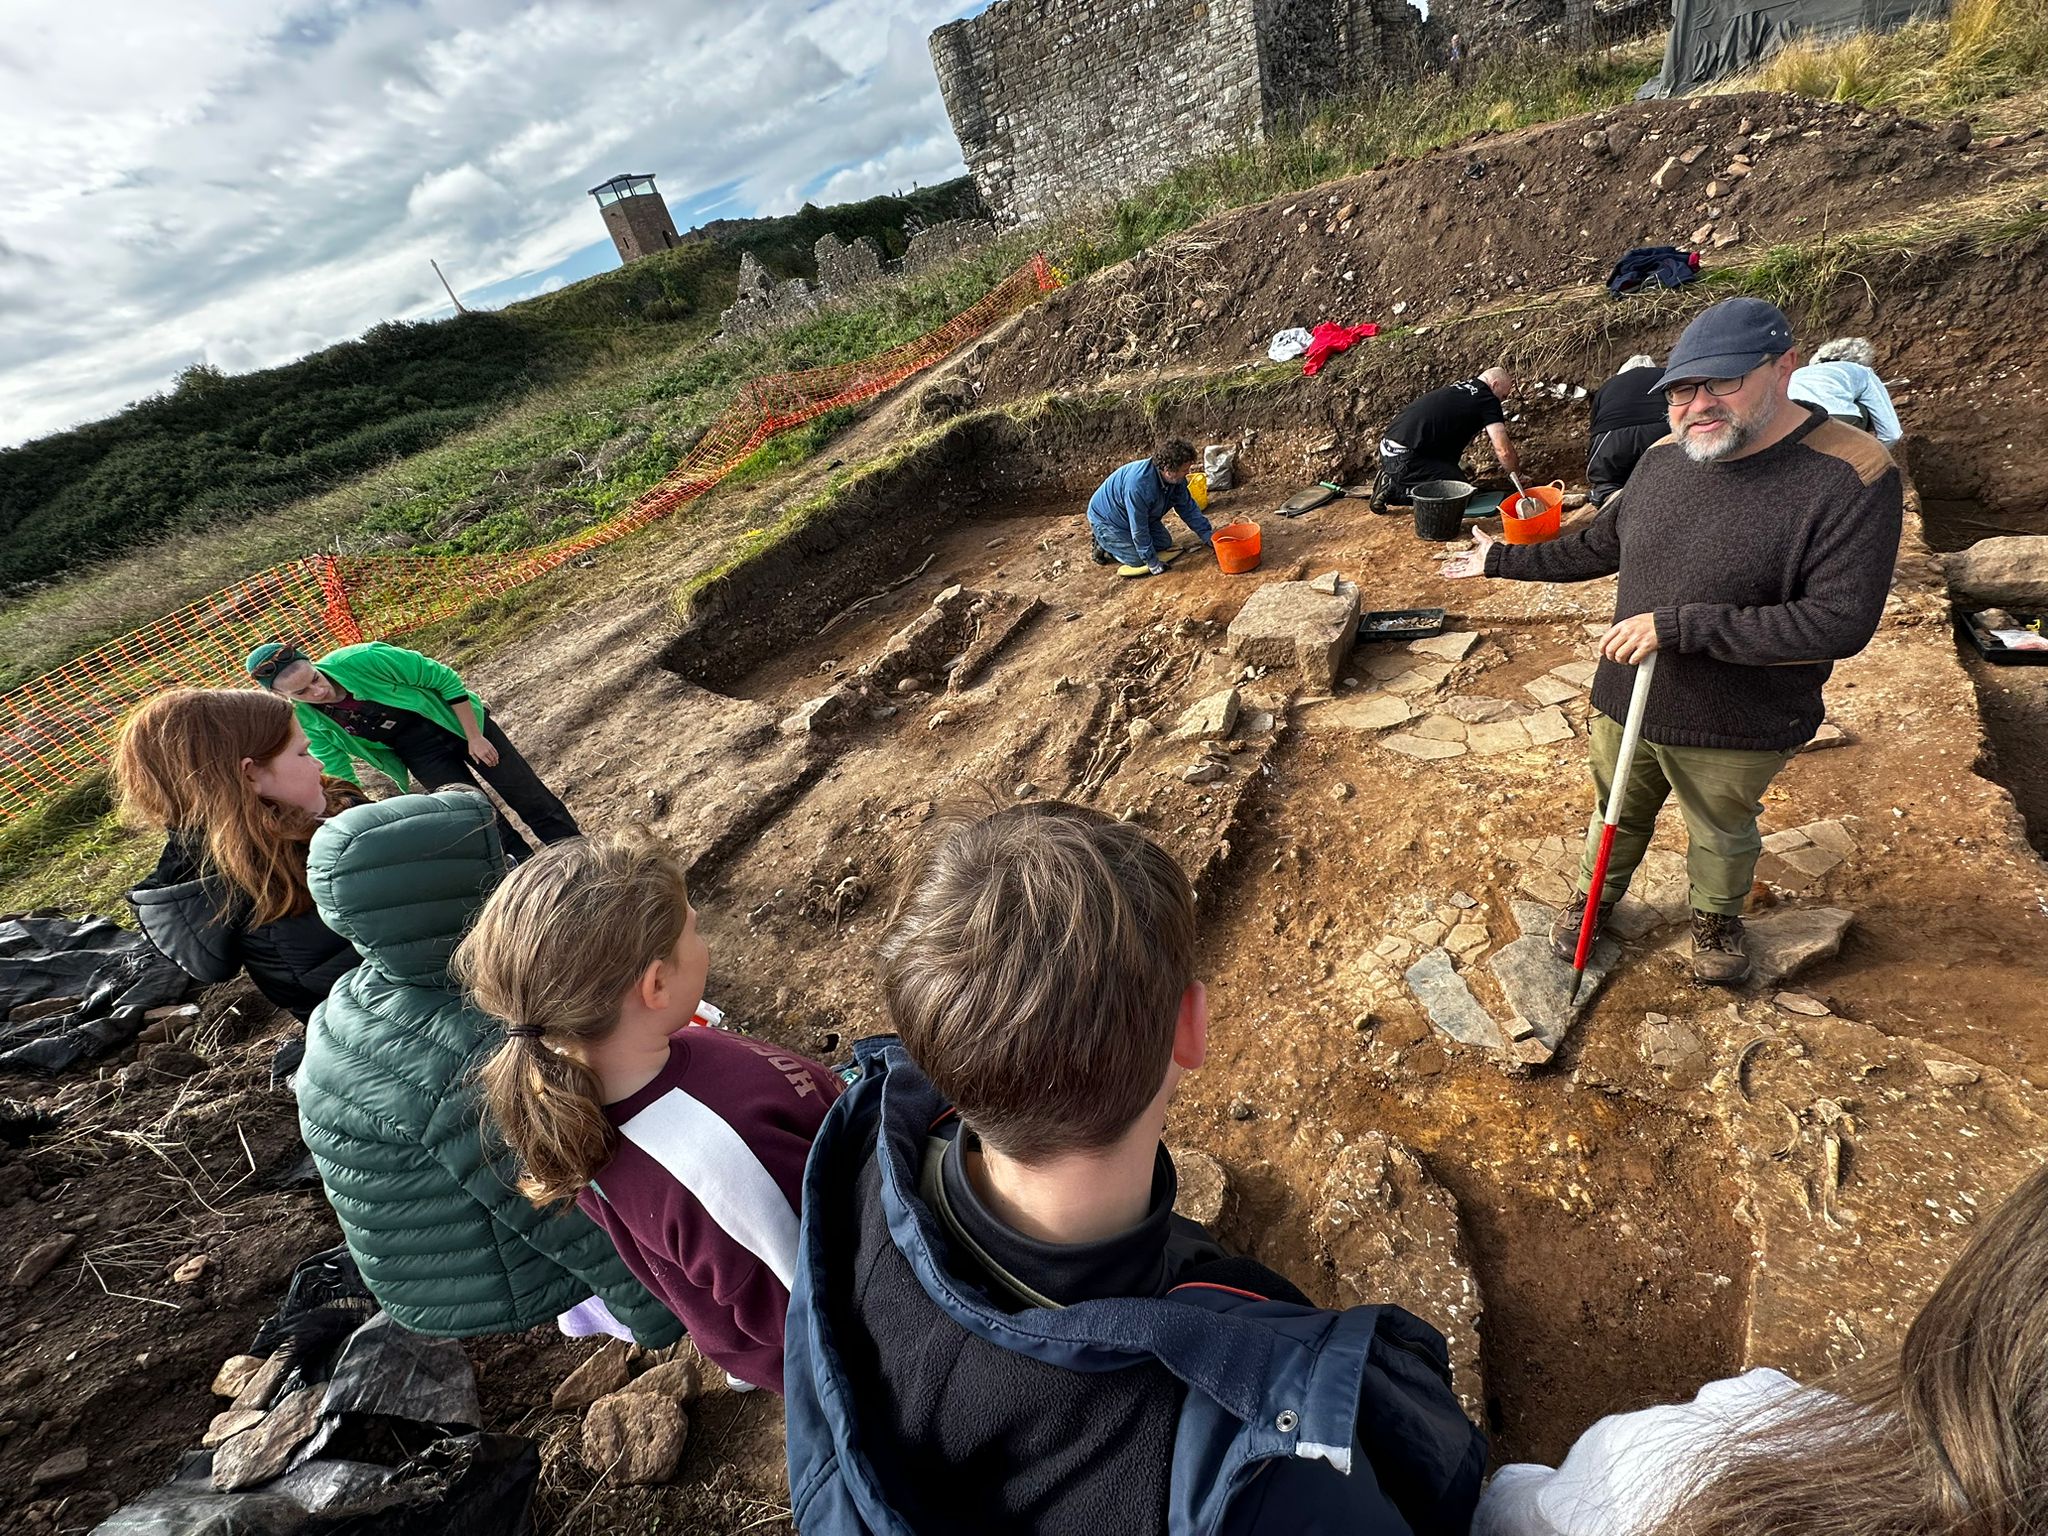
402, 879
1266, 1380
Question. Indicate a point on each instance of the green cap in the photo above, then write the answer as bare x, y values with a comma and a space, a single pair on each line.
271, 658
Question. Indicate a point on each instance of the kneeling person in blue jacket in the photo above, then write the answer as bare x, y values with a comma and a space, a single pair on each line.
997, 1320
1127, 513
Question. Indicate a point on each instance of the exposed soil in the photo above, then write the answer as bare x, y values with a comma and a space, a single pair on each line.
1637, 1222
1496, 218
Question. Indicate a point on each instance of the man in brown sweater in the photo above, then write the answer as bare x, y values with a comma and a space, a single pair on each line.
1755, 544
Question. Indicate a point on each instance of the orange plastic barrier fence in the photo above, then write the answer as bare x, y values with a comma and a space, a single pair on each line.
61, 727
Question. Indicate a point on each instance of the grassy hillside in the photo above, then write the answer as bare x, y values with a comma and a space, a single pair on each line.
216, 449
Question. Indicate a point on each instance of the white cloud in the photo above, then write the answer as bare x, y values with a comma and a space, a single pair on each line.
246, 180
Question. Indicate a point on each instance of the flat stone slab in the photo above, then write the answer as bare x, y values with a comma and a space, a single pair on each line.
1213, 716
1367, 712
1423, 747
1551, 690
1474, 710
1455, 646
1538, 985
1786, 941
1420, 678
1577, 672
1440, 728
1498, 737
1547, 726
1452, 1007
1290, 624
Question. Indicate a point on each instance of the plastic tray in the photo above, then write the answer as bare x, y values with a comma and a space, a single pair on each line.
1998, 655
1401, 624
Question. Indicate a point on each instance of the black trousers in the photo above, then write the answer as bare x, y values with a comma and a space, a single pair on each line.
518, 786
1400, 473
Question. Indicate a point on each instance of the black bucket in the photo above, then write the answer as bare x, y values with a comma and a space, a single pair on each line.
1440, 509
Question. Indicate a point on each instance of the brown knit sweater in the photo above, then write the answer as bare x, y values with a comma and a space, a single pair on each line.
1762, 572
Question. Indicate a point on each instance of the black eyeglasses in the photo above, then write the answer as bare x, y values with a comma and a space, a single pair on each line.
1683, 394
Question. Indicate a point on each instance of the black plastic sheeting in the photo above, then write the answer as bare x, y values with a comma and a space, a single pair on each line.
116, 974
1713, 39
394, 1452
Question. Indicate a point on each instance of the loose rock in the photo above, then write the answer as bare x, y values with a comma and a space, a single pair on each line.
1391, 1234
55, 1469
1213, 716
637, 1437
1951, 1074
41, 1259
234, 1375
604, 1372
1203, 1194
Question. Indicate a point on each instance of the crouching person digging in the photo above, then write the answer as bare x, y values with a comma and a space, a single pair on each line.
1755, 545
1127, 513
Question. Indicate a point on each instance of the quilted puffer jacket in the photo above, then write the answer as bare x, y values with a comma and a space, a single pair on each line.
199, 921
387, 1101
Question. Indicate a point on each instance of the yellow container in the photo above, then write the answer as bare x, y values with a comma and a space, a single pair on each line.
1198, 487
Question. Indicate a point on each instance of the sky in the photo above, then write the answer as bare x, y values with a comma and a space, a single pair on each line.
240, 182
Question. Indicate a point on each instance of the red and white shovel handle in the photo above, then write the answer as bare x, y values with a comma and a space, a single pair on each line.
1624, 759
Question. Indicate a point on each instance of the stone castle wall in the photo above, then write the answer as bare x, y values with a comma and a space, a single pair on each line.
1058, 103
1057, 100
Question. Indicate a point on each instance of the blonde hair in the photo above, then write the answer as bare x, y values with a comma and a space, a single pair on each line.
178, 769
554, 953
1949, 1435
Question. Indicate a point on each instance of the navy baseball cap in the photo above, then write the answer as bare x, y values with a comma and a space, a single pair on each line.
1726, 341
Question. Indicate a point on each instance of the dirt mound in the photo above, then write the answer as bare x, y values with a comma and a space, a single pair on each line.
1493, 218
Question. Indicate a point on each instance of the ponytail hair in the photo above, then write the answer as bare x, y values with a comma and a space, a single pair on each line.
554, 953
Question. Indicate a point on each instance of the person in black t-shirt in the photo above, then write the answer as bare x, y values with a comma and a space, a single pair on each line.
1427, 439
1628, 416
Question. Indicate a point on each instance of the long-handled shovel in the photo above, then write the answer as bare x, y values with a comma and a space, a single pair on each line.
1624, 759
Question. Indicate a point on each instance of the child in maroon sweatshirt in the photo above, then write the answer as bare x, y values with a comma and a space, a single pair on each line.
687, 1145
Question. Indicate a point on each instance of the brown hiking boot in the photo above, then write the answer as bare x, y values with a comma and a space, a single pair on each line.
1564, 932
1718, 956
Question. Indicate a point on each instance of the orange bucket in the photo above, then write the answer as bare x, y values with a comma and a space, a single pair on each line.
1537, 527
1237, 548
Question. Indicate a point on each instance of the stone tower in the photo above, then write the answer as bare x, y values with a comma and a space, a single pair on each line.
636, 216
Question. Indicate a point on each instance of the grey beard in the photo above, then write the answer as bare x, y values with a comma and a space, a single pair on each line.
1738, 434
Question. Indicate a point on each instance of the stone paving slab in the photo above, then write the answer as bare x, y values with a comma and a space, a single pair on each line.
1364, 712
1451, 1006
1498, 737
1455, 646
1422, 747
1551, 690
1538, 985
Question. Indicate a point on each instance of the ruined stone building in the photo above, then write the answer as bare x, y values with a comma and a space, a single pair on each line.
635, 216
1495, 26
1063, 101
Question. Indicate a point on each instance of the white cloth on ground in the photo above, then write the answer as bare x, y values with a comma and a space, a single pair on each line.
1289, 344
1624, 1473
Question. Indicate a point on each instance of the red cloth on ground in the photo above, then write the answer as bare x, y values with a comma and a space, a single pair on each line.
1328, 339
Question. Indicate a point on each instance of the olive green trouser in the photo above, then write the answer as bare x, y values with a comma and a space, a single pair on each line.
1720, 794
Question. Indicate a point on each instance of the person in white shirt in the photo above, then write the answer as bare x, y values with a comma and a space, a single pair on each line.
1950, 1435
1841, 378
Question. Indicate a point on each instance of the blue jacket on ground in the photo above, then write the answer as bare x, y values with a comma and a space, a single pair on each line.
1290, 1418
1128, 510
